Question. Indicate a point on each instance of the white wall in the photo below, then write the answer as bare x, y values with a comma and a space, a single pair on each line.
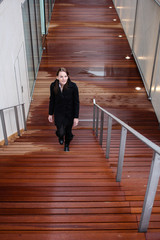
155, 90
13, 66
141, 21
146, 32
126, 11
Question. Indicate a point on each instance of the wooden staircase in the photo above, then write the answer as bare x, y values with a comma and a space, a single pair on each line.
47, 193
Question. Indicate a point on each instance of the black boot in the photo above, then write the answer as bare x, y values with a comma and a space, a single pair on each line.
72, 137
66, 147
61, 141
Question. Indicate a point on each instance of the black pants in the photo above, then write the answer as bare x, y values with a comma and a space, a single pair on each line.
65, 131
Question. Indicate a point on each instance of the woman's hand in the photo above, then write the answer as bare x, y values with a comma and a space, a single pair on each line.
50, 118
75, 122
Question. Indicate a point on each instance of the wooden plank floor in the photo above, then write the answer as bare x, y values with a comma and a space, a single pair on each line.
65, 195
46, 193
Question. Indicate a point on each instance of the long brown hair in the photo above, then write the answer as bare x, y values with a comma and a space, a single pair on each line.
56, 87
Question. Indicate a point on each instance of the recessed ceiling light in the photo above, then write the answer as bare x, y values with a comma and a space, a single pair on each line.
127, 57
120, 36
114, 19
138, 88
110, 7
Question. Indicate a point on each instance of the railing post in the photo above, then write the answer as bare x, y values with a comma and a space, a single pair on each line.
4, 127
17, 121
108, 136
150, 193
97, 121
94, 109
121, 154
24, 118
101, 129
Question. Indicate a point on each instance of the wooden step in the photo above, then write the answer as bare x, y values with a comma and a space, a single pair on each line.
46, 193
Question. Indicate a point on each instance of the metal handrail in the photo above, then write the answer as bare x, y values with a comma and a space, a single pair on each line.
158, 2
12, 106
16, 120
155, 167
152, 145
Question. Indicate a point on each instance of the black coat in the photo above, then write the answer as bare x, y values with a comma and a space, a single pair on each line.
64, 105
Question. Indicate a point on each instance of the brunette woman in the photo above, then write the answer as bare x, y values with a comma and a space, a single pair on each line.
64, 106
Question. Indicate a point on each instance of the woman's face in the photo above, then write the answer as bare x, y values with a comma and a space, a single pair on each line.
62, 77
